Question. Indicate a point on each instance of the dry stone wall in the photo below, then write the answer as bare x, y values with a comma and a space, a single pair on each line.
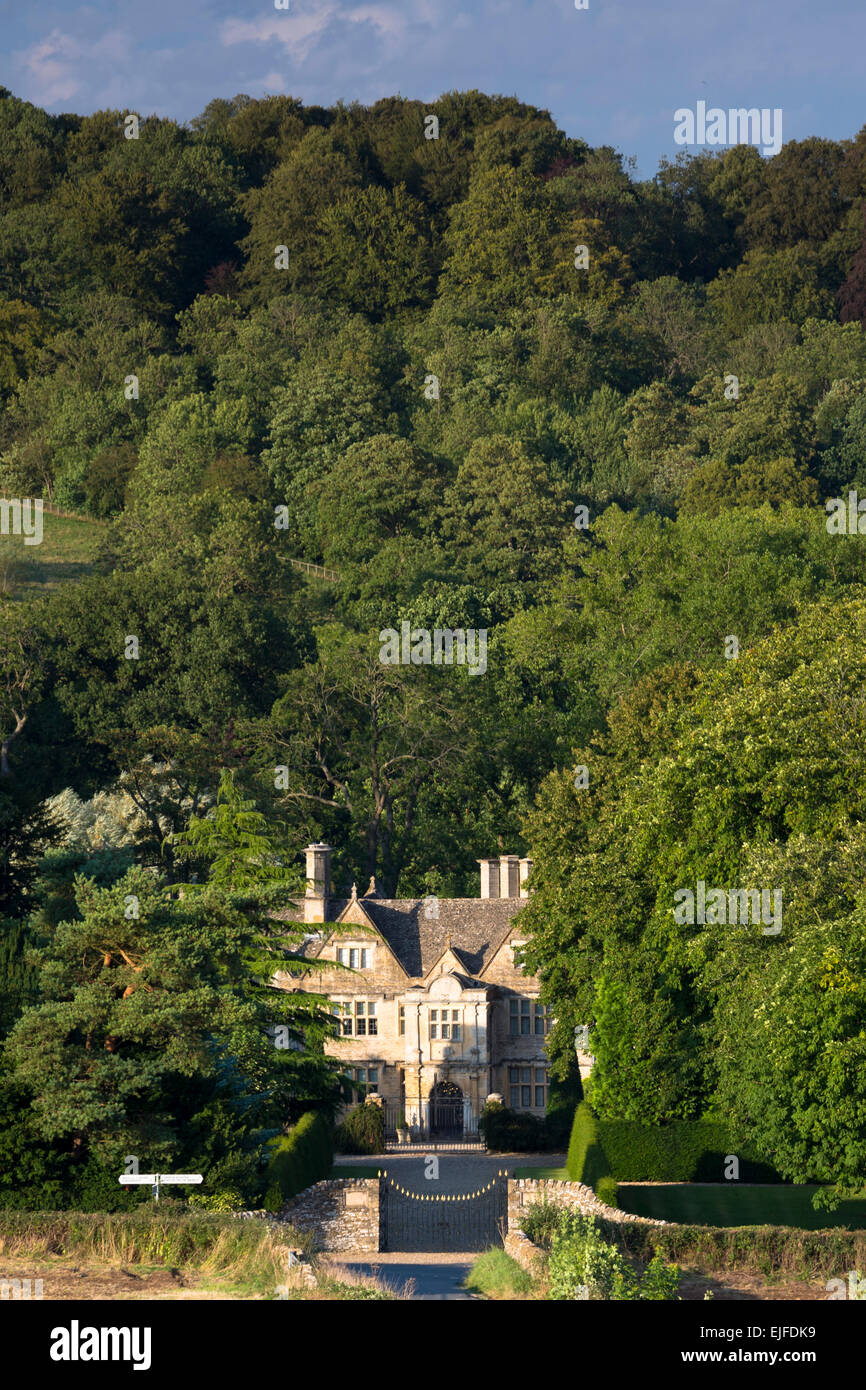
526, 1192
342, 1214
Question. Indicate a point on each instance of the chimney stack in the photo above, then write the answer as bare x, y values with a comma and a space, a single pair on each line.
318, 882
525, 871
489, 878
509, 876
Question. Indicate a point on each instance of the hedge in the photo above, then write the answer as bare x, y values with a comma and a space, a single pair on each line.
302, 1157
587, 1161
563, 1098
684, 1151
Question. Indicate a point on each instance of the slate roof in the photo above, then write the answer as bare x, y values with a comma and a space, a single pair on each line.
477, 928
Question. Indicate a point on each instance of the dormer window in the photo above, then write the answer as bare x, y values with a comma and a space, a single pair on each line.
356, 957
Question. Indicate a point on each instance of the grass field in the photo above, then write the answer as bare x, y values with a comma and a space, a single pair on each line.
765, 1205
66, 552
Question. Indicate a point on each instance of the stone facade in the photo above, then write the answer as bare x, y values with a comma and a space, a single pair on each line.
435, 1010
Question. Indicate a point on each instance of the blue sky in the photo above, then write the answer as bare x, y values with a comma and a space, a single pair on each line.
614, 73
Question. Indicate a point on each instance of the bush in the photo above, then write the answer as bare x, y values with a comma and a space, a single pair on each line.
362, 1131
227, 1199
302, 1157
583, 1264
605, 1191
512, 1131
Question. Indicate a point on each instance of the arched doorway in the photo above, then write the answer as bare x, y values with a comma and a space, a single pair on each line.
446, 1111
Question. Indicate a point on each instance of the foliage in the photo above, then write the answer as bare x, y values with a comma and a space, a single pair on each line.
302, 1157
583, 1264
362, 1131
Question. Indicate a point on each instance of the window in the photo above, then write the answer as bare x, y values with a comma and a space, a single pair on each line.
524, 1083
401, 1026
542, 1019
521, 1017
356, 957
366, 1079
446, 1020
359, 1018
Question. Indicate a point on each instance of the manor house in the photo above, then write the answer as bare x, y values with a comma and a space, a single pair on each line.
435, 1010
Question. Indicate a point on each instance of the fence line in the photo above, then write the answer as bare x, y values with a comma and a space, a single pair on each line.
319, 570
57, 511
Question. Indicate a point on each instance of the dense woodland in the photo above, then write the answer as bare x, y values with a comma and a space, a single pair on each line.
432, 383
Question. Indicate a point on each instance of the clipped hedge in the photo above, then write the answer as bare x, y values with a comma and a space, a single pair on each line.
684, 1151
587, 1161
563, 1098
302, 1157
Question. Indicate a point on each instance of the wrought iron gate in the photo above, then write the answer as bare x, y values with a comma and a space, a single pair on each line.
427, 1221
446, 1112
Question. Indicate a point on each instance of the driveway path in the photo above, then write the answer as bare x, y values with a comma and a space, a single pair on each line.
457, 1172
438, 1281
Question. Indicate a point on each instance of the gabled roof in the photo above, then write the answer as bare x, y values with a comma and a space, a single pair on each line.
477, 927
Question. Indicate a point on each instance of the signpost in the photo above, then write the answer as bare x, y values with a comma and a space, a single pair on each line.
155, 1179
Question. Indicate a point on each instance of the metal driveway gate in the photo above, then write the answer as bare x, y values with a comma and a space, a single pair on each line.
427, 1221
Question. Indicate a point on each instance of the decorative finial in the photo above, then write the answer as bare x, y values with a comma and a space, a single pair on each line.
354, 891
448, 941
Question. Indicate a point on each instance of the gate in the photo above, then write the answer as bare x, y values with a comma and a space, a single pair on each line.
430, 1222
446, 1112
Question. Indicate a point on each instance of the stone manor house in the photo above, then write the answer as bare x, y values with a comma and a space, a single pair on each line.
436, 1013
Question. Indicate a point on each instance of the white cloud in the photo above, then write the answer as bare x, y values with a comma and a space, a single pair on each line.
49, 66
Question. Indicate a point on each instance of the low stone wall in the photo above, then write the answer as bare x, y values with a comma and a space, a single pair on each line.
526, 1192
530, 1257
342, 1214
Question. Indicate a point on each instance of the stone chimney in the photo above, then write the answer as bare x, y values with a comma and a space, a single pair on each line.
489, 878
509, 876
318, 882
525, 871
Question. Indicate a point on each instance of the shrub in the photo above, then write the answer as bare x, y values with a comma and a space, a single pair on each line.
540, 1222
583, 1264
301, 1157
362, 1131
227, 1199
512, 1131
605, 1191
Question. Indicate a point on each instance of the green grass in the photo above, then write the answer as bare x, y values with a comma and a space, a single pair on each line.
561, 1174
496, 1275
354, 1170
726, 1205
67, 552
